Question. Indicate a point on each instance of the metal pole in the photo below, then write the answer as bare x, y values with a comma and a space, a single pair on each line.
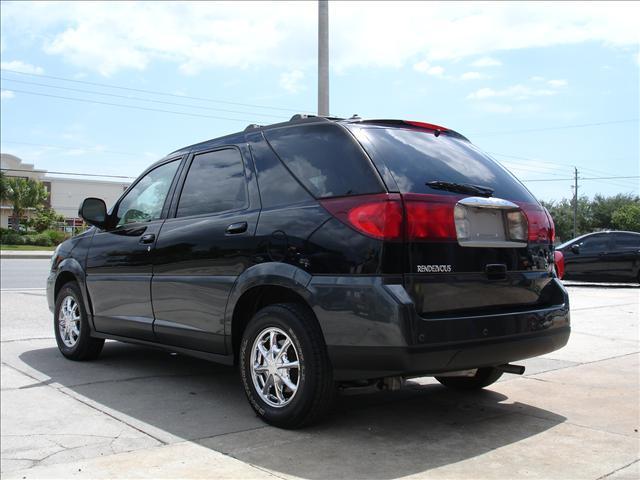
575, 202
323, 57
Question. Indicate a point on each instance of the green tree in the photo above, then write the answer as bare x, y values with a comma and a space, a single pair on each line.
24, 193
44, 219
627, 217
603, 209
4, 188
562, 214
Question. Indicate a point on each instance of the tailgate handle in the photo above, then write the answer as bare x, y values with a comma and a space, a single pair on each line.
496, 271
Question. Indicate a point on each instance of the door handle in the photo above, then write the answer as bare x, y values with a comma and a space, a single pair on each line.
147, 238
236, 228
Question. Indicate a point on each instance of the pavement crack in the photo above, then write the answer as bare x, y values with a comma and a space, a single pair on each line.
618, 469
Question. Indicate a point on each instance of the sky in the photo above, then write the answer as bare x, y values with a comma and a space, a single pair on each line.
108, 88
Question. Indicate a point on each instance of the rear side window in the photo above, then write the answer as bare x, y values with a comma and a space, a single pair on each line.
325, 159
596, 243
415, 157
627, 241
215, 183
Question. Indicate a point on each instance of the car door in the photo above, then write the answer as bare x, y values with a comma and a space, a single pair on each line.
205, 246
625, 256
119, 260
591, 262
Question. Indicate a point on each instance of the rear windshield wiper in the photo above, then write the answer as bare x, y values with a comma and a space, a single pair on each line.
461, 188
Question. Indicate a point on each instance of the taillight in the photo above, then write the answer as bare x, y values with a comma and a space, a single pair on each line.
540, 226
378, 216
430, 217
552, 226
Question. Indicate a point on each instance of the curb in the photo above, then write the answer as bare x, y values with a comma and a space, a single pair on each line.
26, 255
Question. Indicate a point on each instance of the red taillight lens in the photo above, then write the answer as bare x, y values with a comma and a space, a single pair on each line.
540, 229
430, 217
378, 216
552, 226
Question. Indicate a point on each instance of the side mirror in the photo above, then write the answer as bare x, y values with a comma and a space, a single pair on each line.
575, 248
93, 211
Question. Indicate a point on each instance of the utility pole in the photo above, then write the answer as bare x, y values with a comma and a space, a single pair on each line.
575, 202
323, 57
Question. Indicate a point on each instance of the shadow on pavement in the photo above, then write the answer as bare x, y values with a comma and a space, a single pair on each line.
575, 283
379, 436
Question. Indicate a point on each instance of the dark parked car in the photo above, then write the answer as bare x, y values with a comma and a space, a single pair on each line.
609, 256
319, 252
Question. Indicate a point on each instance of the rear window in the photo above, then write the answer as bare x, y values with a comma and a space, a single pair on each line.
415, 157
325, 159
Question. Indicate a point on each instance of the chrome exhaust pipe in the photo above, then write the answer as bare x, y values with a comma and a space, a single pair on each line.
510, 368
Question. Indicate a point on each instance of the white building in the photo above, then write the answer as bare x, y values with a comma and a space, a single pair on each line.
65, 194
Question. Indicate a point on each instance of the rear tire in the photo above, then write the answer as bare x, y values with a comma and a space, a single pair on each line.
71, 325
285, 368
483, 378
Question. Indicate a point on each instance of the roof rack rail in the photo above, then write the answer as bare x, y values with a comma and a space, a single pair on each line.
252, 126
304, 116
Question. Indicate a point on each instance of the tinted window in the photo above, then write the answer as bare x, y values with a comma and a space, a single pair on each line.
416, 157
145, 200
627, 241
325, 159
596, 243
215, 183
277, 185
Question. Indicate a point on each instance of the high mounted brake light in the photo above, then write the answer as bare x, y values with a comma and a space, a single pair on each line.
427, 126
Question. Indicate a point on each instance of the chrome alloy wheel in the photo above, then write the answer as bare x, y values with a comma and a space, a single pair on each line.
275, 367
69, 321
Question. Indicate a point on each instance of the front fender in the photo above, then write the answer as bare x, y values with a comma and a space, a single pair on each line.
71, 265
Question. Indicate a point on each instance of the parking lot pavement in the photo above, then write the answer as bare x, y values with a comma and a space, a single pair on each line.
143, 413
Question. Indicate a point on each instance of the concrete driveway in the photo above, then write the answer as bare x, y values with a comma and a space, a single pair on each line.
140, 412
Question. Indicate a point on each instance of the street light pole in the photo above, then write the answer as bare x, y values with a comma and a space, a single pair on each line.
323, 57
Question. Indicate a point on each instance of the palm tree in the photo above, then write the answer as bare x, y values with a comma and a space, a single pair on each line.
23, 193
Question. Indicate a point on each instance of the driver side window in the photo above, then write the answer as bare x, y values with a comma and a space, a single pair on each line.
145, 200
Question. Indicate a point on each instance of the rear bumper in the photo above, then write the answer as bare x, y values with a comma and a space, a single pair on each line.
389, 338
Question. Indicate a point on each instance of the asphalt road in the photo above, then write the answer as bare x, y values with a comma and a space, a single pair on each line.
138, 412
23, 273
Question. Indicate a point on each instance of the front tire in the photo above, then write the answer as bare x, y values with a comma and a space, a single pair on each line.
285, 369
483, 378
71, 325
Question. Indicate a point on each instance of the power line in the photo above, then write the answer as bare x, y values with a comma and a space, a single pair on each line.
71, 149
562, 127
134, 107
140, 99
581, 178
156, 92
67, 173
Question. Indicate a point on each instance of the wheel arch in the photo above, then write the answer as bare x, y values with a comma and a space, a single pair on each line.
259, 286
70, 270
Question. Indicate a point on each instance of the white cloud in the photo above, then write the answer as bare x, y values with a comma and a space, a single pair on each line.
486, 62
517, 92
422, 66
20, 66
6, 94
473, 76
292, 81
109, 37
425, 67
558, 83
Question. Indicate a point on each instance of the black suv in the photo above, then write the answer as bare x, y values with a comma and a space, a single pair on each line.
319, 252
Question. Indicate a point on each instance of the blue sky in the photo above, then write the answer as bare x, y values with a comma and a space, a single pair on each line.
516, 78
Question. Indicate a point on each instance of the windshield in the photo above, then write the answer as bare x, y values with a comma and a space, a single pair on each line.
416, 157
